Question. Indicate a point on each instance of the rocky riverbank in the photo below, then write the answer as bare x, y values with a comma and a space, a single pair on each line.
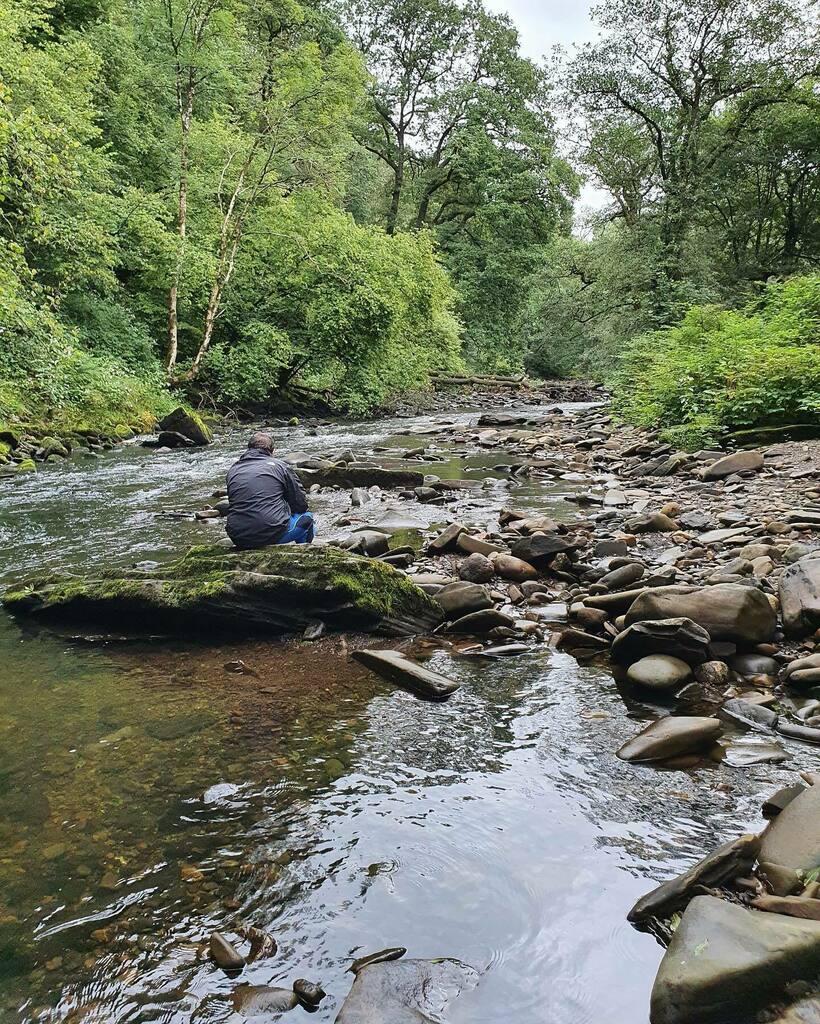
697, 578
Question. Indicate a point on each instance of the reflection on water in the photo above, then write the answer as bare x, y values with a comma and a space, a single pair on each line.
149, 794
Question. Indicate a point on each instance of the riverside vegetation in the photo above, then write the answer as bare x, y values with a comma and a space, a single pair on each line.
227, 203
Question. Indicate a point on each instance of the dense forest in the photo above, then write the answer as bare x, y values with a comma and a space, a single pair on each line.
224, 200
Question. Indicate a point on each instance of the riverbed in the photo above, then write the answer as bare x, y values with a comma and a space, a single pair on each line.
152, 792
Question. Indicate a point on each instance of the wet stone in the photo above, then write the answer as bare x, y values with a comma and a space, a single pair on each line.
659, 672
405, 992
261, 1001
671, 737
224, 954
176, 727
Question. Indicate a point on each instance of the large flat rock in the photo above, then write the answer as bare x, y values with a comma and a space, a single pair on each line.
723, 864
272, 590
727, 611
671, 737
726, 964
791, 843
405, 992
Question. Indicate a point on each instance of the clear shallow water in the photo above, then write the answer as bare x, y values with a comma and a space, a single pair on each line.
149, 795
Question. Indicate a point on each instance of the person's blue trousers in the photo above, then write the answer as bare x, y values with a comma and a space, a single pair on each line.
300, 529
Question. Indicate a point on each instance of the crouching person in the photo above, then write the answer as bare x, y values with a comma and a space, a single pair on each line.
267, 503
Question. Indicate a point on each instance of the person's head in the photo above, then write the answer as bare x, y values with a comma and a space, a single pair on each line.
261, 442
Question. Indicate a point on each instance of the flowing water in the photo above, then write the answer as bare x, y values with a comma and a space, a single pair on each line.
150, 793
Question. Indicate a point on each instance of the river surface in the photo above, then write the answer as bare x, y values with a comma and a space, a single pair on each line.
149, 793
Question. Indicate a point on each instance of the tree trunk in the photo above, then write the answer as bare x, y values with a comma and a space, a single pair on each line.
395, 197
186, 115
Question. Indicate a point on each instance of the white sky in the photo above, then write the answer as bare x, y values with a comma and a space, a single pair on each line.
544, 24
547, 23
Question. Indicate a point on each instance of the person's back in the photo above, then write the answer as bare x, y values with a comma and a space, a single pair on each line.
266, 501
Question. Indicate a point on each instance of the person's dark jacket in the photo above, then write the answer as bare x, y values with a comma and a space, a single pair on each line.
263, 493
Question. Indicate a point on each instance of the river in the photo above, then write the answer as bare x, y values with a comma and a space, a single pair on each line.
149, 793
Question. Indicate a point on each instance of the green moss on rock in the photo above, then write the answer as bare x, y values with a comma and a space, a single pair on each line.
273, 590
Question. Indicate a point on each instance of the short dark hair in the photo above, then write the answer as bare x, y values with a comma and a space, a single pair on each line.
261, 441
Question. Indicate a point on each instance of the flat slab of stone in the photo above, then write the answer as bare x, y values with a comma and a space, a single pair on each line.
395, 667
728, 861
671, 737
680, 638
274, 590
725, 964
727, 611
405, 992
792, 840
481, 622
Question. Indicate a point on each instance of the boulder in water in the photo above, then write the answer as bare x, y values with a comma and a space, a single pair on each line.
671, 737
269, 591
188, 424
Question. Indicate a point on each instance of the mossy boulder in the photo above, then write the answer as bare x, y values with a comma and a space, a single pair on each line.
274, 590
14, 469
188, 423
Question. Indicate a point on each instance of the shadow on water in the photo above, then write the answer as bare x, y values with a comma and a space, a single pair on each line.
152, 793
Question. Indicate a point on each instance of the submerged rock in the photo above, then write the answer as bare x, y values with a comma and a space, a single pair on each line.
405, 991
725, 965
224, 954
309, 992
270, 591
398, 669
263, 1000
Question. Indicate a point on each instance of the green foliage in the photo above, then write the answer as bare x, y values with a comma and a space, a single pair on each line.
347, 310
720, 369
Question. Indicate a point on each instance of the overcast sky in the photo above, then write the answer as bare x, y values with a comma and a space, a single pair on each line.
544, 24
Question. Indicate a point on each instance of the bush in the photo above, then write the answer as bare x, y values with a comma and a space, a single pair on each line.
345, 308
46, 376
725, 370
